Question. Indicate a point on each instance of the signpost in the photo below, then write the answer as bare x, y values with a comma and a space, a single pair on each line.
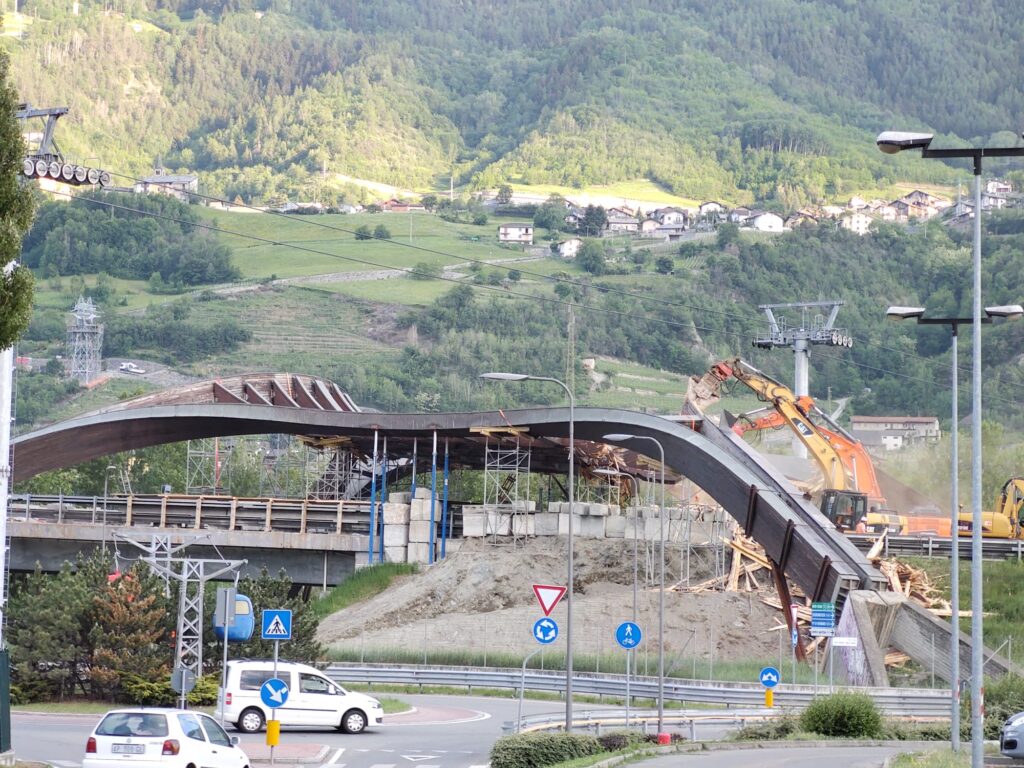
548, 596
545, 631
769, 677
823, 624
183, 680
628, 635
225, 616
276, 625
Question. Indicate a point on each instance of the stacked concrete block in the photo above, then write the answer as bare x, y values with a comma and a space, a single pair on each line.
396, 513
524, 525
615, 527
498, 523
418, 552
597, 510
419, 509
474, 524
419, 531
589, 526
396, 535
399, 497
396, 554
546, 523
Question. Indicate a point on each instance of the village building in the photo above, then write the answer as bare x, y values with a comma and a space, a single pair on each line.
181, 186
857, 222
894, 432
568, 249
516, 233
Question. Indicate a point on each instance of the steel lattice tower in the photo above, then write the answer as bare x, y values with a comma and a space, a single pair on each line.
84, 341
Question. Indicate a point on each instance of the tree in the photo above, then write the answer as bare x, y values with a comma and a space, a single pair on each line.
664, 265
591, 258
363, 232
381, 232
551, 215
504, 196
15, 218
594, 220
514, 275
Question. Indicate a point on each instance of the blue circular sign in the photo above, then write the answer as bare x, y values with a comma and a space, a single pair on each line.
545, 631
769, 677
274, 692
628, 635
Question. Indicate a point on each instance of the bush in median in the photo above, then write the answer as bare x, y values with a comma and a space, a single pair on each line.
536, 750
850, 715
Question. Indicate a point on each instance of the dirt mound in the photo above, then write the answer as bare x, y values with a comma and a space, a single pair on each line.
481, 598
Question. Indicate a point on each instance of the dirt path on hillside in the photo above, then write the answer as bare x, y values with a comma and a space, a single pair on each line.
481, 598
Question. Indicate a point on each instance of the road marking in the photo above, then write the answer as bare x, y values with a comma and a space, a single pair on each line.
334, 757
417, 758
64, 763
475, 717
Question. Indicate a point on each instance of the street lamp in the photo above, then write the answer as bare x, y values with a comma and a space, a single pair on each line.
621, 438
499, 376
954, 323
892, 142
106, 477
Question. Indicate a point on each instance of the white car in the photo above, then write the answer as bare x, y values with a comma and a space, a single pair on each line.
308, 699
1011, 736
161, 738
131, 368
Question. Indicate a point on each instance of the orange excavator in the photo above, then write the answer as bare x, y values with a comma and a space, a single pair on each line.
851, 492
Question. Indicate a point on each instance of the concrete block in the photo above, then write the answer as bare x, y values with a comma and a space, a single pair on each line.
399, 497
652, 529
474, 524
589, 526
419, 509
451, 547
423, 493
395, 554
523, 525
634, 528
419, 531
498, 524
396, 514
598, 510
554, 507
418, 553
524, 506
615, 527
395, 535
614, 510
546, 524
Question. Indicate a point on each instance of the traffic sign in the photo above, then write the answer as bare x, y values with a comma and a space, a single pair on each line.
769, 677
795, 638
628, 635
545, 631
277, 624
548, 596
844, 642
274, 692
822, 631
183, 680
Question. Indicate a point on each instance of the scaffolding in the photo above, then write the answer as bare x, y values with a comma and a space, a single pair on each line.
506, 482
329, 467
84, 341
283, 468
206, 461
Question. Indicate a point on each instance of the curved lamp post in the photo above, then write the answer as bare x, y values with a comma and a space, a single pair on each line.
891, 142
622, 438
499, 376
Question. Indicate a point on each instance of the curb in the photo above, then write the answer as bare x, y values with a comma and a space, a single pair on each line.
727, 746
284, 761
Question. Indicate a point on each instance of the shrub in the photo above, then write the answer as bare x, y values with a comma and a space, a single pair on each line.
613, 741
769, 730
1003, 698
535, 750
138, 690
844, 714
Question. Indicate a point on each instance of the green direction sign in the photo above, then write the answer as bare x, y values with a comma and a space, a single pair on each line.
823, 606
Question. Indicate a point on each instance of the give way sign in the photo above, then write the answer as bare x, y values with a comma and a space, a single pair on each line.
548, 596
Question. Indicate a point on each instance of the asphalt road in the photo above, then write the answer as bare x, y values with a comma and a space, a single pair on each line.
443, 732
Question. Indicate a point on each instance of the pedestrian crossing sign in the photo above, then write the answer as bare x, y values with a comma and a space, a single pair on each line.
277, 624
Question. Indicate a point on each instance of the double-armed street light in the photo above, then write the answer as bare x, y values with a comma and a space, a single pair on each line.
621, 438
917, 313
892, 142
500, 376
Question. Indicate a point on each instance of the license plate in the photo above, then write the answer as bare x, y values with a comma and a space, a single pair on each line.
128, 749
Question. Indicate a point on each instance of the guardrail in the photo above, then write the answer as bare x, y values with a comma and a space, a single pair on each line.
644, 719
908, 702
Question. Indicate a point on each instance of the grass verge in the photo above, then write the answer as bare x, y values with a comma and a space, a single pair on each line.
362, 585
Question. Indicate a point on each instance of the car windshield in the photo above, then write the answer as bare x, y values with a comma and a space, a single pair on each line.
132, 724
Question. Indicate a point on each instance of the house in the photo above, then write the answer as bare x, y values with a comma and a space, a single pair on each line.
739, 215
516, 233
648, 227
998, 187
764, 221
800, 219
857, 203
568, 249
908, 210
181, 186
671, 217
711, 208
394, 205
857, 222
832, 211
621, 221
917, 196
895, 432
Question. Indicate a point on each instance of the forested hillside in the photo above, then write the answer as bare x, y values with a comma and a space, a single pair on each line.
775, 105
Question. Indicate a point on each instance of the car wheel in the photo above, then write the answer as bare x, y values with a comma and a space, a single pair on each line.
354, 721
251, 721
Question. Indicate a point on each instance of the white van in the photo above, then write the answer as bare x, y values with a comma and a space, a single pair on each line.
312, 700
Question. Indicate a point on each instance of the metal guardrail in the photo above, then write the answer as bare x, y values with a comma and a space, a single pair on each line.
908, 702
942, 546
645, 720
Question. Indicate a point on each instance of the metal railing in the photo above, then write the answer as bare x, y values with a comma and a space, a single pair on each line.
922, 703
